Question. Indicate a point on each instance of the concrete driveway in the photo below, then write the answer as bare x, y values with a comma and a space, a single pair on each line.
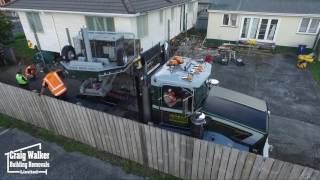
63, 165
293, 98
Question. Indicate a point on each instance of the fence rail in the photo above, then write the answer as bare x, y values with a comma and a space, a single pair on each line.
168, 152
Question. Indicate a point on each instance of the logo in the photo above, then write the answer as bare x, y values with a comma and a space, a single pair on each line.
28, 160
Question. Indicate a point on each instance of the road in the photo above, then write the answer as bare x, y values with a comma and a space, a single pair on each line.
292, 96
63, 165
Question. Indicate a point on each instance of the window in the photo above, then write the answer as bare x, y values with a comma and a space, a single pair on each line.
161, 16
100, 23
229, 20
233, 133
190, 7
34, 22
172, 13
309, 25
259, 28
142, 26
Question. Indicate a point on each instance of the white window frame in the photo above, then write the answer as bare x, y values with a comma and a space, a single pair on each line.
229, 22
38, 28
267, 30
308, 28
105, 24
145, 24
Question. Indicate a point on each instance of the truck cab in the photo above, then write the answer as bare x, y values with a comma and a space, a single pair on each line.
179, 95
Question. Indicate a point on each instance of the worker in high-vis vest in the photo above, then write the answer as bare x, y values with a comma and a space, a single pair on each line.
21, 80
31, 71
53, 81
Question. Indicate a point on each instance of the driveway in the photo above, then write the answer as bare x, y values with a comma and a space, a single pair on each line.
293, 98
63, 165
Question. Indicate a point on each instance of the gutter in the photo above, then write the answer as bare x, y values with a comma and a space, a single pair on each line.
264, 13
71, 12
91, 13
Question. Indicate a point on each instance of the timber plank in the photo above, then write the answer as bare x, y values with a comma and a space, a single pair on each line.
115, 121
165, 151
132, 141
154, 148
70, 124
231, 163
306, 173
216, 161
224, 162
296, 172
107, 138
242, 156
189, 157
248, 166
195, 159
202, 159
209, 161
125, 144
176, 152
148, 145
88, 120
129, 138
265, 169
139, 143
159, 149
94, 116
114, 129
51, 115
255, 171
171, 152
285, 171
275, 170
183, 152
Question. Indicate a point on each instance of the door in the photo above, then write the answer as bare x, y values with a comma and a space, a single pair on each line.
261, 29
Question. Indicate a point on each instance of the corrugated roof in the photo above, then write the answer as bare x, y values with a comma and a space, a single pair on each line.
269, 6
98, 6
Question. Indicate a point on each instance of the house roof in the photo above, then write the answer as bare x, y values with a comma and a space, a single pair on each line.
268, 6
96, 6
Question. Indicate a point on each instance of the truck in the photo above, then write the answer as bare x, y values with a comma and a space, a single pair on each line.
179, 96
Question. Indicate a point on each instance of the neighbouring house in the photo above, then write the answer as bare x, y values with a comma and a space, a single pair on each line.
152, 21
287, 23
4, 2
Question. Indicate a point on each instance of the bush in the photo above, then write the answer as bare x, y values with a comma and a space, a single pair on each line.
6, 26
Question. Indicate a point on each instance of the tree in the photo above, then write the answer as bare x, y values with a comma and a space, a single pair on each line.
6, 26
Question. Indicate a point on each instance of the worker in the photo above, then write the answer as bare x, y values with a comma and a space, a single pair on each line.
21, 80
54, 81
170, 98
31, 71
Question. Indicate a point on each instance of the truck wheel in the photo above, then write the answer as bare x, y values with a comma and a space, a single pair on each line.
68, 53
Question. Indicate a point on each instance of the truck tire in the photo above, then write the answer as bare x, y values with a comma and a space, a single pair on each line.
68, 53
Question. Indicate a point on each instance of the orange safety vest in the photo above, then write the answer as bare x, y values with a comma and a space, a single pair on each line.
55, 84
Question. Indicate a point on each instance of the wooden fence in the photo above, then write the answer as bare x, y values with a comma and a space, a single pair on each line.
168, 152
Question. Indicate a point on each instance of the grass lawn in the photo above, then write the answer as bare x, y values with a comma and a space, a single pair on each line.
21, 49
315, 71
74, 146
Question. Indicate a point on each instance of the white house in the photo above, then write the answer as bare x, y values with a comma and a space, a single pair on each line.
152, 21
283, 22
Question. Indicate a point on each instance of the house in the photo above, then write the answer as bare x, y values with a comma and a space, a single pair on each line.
287, 23
152, 21
4, 2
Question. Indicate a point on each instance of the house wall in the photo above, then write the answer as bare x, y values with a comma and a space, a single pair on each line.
286, 36
54, 37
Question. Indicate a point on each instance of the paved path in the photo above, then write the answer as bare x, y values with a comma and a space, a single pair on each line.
63, 165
